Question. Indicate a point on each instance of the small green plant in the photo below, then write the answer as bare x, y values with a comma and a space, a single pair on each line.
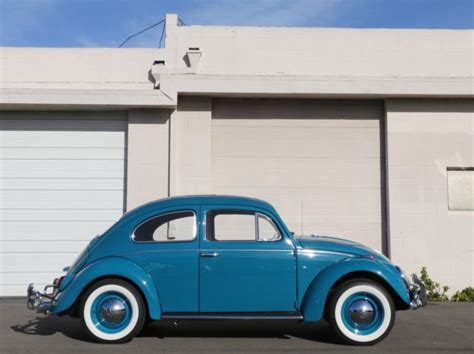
464, 295
434, 291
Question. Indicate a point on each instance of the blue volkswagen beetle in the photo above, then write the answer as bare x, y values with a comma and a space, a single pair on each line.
222, 257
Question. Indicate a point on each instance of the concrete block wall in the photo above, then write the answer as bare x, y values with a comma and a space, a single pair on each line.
424, 137
147, 156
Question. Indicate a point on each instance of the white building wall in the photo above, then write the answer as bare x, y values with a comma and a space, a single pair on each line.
424, 137
324, 52
190, 147
147, 156
76, 68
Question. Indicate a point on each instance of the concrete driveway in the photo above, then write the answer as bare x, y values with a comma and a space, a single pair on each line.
436, 328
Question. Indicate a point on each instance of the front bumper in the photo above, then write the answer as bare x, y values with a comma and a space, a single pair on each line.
417, 289
42, 302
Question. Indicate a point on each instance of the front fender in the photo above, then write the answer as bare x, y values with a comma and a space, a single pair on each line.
110, 267
316, 295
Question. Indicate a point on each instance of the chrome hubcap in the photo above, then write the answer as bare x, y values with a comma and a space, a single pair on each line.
113, 311
361, 312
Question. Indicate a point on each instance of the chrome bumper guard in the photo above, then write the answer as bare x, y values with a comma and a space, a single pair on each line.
41, 301
418, 297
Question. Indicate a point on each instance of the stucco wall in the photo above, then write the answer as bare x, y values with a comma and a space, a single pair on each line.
76, 68
147, 156
424, 137
324, 51
190, 143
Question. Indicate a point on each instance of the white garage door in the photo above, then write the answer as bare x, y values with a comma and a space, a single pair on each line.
317, 162
61, 183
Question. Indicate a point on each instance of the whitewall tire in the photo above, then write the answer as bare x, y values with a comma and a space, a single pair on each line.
361, 312
112, 311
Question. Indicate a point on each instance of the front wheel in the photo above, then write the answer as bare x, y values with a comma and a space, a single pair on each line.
361, 312
112, 311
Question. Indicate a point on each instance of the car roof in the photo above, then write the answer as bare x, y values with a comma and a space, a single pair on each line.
136, 215
203, 199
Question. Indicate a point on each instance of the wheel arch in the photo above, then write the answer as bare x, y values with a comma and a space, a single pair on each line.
75, 307
318, 293
123, 269
398, 301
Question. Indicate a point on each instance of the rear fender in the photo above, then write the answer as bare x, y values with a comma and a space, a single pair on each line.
314, 300
110, 267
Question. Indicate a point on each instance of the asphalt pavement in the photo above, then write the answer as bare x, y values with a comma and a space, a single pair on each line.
437, 328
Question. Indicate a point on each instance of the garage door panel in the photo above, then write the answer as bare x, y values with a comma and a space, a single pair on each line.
50, 215
292, 122
333, 165
323, 154
61, 153
277, 142
297, 182
41, 246
330, 172
61, 183
108, 122
62, 169
43, 262
301, 179
284, 109
16, 290
324, 201
52, 230
18, 279
54, 199
61, 139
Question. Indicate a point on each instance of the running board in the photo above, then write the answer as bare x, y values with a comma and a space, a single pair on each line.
232, 316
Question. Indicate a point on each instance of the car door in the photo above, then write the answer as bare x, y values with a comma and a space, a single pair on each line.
246, 263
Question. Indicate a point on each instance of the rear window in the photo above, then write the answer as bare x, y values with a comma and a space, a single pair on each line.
176, 226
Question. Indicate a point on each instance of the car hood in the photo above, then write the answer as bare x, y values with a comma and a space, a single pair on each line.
337, 245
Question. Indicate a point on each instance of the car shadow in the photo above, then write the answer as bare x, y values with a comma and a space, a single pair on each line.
49, 325
71, 327
319, 331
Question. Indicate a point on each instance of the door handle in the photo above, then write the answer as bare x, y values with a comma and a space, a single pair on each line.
209, 254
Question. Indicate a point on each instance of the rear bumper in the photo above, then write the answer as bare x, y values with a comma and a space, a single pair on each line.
42, 302
418, 297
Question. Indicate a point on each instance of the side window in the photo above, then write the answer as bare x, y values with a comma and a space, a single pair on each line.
240, 226
234, 227
266, 229
176, 226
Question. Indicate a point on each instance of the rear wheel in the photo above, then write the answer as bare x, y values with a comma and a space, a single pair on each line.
112, 311
361, 312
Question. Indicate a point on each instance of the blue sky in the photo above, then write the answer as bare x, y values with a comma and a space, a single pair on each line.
106, 23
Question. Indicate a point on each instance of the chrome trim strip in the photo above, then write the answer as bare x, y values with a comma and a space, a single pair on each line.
245, 250
197, 250
309, 251
270, 220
